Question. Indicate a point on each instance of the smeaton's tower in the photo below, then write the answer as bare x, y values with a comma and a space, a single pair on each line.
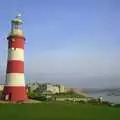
15, 89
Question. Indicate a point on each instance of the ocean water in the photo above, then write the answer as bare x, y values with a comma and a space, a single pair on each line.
112, 99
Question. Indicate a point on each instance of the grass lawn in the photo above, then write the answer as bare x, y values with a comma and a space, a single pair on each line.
57, 111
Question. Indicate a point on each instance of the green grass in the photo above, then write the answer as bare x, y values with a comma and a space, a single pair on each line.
57, 111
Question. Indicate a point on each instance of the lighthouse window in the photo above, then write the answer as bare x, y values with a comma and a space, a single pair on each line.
12, 48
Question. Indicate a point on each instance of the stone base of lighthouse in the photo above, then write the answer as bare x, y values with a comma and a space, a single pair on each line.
14, 93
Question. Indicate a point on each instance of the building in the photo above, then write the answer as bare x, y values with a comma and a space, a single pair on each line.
61, 88
52, 88
15, 89
47, 88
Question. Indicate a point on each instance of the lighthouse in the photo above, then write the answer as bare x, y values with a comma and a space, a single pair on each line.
15, 89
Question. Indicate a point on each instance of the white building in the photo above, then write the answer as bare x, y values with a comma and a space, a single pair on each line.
52, 88
61, 89
48, 87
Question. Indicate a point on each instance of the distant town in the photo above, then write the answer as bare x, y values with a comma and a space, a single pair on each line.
59, 92
51, 91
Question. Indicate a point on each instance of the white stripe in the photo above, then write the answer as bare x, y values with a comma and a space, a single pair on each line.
15, 79
16, 54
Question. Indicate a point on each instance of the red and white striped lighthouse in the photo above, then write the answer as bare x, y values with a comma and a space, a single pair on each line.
15, 89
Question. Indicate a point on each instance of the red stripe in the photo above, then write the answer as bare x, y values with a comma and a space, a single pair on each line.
15, 66
15, 93
16, 42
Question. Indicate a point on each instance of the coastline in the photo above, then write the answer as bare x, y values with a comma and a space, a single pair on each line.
106, 97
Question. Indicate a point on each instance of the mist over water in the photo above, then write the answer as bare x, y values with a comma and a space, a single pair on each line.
112, 99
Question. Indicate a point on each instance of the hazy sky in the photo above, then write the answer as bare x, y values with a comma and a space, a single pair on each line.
73, 42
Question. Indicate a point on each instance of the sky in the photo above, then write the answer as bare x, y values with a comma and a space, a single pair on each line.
71, 42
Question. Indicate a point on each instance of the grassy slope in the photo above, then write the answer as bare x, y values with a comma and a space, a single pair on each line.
55, 111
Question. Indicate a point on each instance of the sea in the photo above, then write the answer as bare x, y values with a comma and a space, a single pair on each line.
111, 99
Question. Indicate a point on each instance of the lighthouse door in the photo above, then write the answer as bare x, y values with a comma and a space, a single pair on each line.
10, 95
